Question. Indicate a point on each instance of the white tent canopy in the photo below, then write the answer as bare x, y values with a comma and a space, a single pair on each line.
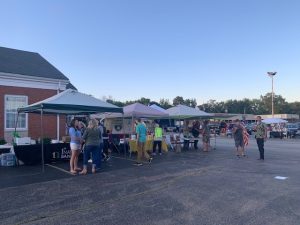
185, 112
136, 110
70, 102
154, 106
274, 121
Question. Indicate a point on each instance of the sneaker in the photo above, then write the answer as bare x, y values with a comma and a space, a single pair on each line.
153, 153
160, 153
137, 164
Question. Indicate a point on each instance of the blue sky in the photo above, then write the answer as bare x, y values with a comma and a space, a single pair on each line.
127, 49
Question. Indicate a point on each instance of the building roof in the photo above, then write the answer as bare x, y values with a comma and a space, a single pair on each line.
71, 86
27, 63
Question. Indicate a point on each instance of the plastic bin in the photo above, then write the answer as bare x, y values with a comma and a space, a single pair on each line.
8, 159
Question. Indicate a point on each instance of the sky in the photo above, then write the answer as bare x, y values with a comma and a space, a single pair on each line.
128, 49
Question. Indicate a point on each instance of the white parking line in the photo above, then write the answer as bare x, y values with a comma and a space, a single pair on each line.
280, 178
60, 169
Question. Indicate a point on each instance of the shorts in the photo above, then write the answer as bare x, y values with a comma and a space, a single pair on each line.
74, 146
206, 139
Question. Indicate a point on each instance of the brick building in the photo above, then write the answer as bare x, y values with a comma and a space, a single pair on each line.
25, 78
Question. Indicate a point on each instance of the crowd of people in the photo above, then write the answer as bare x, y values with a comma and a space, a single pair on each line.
93, 141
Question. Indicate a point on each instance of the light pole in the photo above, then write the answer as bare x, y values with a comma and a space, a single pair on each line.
272, 74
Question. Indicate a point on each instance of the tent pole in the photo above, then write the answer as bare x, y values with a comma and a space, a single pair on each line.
57, 117
16, 124
132, 125
42, 142
123, 125
215, 136
57, 127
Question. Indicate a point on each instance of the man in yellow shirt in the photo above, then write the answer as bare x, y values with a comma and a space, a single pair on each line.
158, 134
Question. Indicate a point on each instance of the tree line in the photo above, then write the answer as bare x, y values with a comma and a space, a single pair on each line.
262, 105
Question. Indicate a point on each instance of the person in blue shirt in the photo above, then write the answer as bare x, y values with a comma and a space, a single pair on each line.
75, 146
141, 132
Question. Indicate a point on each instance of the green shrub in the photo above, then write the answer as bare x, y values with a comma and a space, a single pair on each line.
47, 140
2, 141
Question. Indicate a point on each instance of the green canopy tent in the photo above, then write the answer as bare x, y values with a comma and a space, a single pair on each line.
68, 102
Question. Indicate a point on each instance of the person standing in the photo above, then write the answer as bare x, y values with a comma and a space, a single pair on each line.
75, 147
91, 137
206, 136
81, 127
141, 132
196, 132
158, 134
261, 137
238, 136
101, 128
105, 137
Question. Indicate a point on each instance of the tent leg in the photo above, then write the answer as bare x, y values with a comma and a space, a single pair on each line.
57, 127
123, 124
16, 124
215, 147
42, 142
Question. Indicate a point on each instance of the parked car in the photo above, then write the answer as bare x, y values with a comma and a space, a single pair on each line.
292, 129
229, 130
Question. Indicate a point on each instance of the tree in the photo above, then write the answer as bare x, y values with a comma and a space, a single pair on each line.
279, 103
190, 102
178, 101
117, 103
165, 103
144, 101
293, 108
154, 103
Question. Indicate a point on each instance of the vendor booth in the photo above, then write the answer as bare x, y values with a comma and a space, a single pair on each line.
186, 113
114, 121
68, 102
120, 124
276, 127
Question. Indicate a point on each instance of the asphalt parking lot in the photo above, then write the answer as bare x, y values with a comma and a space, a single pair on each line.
178, 188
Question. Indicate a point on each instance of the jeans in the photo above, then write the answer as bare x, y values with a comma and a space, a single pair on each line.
155, 143
101, 147
195, 144
260, 143
96, 156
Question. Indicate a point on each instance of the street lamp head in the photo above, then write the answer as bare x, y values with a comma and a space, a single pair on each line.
271, 74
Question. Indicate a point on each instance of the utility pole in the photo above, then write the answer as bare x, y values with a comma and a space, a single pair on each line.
272, 74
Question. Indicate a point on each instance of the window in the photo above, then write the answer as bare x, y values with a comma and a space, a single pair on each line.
12, 103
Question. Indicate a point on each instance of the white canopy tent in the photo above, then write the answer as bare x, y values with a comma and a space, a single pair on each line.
154, 106
131, 112
274, 121
184, 112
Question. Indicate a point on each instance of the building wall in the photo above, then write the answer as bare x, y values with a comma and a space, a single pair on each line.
34, 120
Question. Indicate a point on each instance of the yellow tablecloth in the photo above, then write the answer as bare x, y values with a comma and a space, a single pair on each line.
148, 146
